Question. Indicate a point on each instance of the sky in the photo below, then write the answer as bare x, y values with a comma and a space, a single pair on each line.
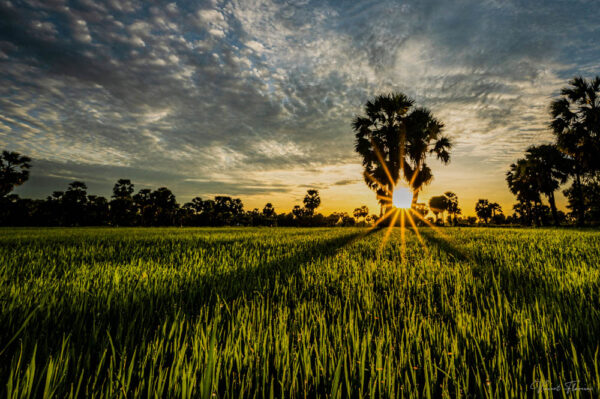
255, 99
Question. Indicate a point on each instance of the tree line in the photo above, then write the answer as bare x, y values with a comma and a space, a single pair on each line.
75, 207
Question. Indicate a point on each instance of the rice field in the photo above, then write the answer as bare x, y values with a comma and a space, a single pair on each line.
299, 313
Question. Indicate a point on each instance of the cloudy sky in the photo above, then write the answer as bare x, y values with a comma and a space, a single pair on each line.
255, 98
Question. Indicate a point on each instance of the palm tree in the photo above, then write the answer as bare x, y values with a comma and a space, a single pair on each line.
438, 204
550, 168
312, 200
483, 210
394, 140
452, 205
14, 171
523, 183
576, 125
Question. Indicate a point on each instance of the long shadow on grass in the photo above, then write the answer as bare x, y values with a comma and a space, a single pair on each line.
133, 316
530, 288
521, 285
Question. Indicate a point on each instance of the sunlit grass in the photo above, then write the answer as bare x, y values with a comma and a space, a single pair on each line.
297, 312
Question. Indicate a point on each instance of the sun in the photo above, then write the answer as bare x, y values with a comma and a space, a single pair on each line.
402, 198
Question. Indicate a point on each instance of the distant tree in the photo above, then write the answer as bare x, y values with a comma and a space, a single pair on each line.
227, 210
395, 139
372, 219
298, 212
497, 214
14, 171
483, 210
143, 203
361, 213
452, 205
164, 206
192, 212
268, 211
420, 208
438, 204
197, 205
209, 215
576, 126
97, 211
495, 208
312, 200
74, 202
122, 207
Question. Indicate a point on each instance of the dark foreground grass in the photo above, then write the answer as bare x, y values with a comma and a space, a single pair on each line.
298, 313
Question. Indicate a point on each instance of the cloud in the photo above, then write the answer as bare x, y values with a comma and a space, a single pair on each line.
346, 182
262, 88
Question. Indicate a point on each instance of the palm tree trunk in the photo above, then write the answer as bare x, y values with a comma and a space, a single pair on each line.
553, 207
580, 205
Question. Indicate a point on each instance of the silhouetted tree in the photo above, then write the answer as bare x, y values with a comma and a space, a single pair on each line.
268, 211
143, 203
269, 215
312, 200
483, 210
361, 212
226, 210
372, 219
452, 205
298, 211
74, 203
495, 208
97, 211
394, 140
164, 207
576, 125
14, 171
550, 168
122, 207
438, 204
524, 184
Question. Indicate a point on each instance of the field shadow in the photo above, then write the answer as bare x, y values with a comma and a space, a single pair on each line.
134, 316
529, 289
262, 278
521, 285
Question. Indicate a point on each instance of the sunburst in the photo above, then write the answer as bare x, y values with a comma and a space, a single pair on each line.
398, 202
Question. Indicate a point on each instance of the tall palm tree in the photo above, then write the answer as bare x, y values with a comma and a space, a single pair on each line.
576, 125
395, 140
523, 183
549, 166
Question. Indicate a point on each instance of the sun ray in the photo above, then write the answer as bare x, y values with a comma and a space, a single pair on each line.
374, 180
383, 197
428, 223
414, 176
416, 231
402, 235
382, 218
383, 164
390, 228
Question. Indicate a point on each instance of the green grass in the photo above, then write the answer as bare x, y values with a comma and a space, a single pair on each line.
279, 313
